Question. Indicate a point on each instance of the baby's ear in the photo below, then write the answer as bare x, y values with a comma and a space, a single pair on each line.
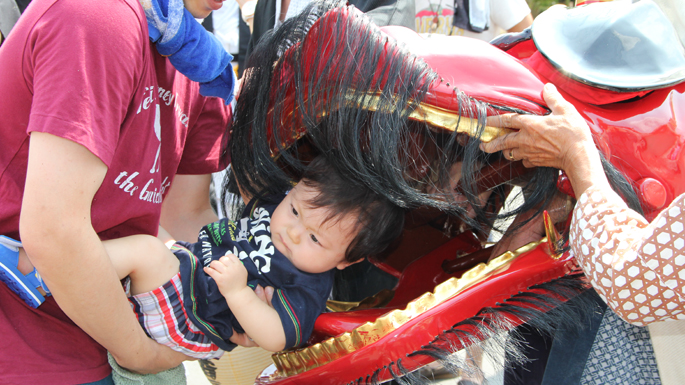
345, 264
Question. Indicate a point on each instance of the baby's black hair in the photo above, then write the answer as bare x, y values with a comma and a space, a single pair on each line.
379, 221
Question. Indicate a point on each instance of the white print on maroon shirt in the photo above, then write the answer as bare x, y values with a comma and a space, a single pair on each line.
158, 133
129, 181
167, 98
128, 184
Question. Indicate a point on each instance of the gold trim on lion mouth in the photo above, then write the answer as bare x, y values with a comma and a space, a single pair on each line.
436, 117
293, 362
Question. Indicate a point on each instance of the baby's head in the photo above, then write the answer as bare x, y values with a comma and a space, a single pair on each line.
327, 222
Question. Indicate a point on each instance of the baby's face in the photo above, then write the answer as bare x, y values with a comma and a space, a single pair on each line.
298, 231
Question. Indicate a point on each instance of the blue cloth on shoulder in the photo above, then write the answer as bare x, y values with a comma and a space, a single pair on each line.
191, 49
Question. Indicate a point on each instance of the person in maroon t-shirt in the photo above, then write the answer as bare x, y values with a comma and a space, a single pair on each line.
97, 130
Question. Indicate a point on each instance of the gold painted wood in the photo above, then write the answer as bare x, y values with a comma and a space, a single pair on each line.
435, 116
294, 362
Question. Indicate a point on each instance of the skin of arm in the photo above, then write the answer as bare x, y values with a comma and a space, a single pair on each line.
523, 24
186, 207
248, 17
165, 237
561, 140
62, 179
259, 320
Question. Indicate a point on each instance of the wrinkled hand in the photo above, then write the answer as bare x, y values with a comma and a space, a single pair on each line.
556, 140
229, 273
561, 140
242, 339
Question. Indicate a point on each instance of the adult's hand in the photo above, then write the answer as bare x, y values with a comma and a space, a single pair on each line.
242, 339
561, 140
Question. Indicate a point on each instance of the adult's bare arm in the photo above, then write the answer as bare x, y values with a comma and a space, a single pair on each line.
56, 229
561, 139
186, 207
526, 22
247, 8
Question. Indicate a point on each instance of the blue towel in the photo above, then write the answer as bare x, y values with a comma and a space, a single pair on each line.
191, 49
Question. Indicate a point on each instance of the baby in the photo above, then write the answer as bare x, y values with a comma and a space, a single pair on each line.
194, 297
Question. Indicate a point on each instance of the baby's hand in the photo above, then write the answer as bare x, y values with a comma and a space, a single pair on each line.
229, 273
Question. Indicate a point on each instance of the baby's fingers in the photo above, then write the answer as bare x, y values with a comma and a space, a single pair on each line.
212, 272
218, 266
230, 260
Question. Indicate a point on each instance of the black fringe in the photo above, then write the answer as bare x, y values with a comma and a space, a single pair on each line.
311, 84
311, 79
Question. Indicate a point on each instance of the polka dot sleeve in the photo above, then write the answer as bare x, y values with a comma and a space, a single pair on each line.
635, 266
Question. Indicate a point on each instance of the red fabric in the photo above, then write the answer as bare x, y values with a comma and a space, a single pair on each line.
42, 346
85, 71
578, 90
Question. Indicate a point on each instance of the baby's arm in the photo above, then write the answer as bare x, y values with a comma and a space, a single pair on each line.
260, 321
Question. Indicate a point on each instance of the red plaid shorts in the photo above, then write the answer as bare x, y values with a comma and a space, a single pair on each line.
161, 314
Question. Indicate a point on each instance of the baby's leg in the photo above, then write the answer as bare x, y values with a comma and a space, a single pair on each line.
145, 259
